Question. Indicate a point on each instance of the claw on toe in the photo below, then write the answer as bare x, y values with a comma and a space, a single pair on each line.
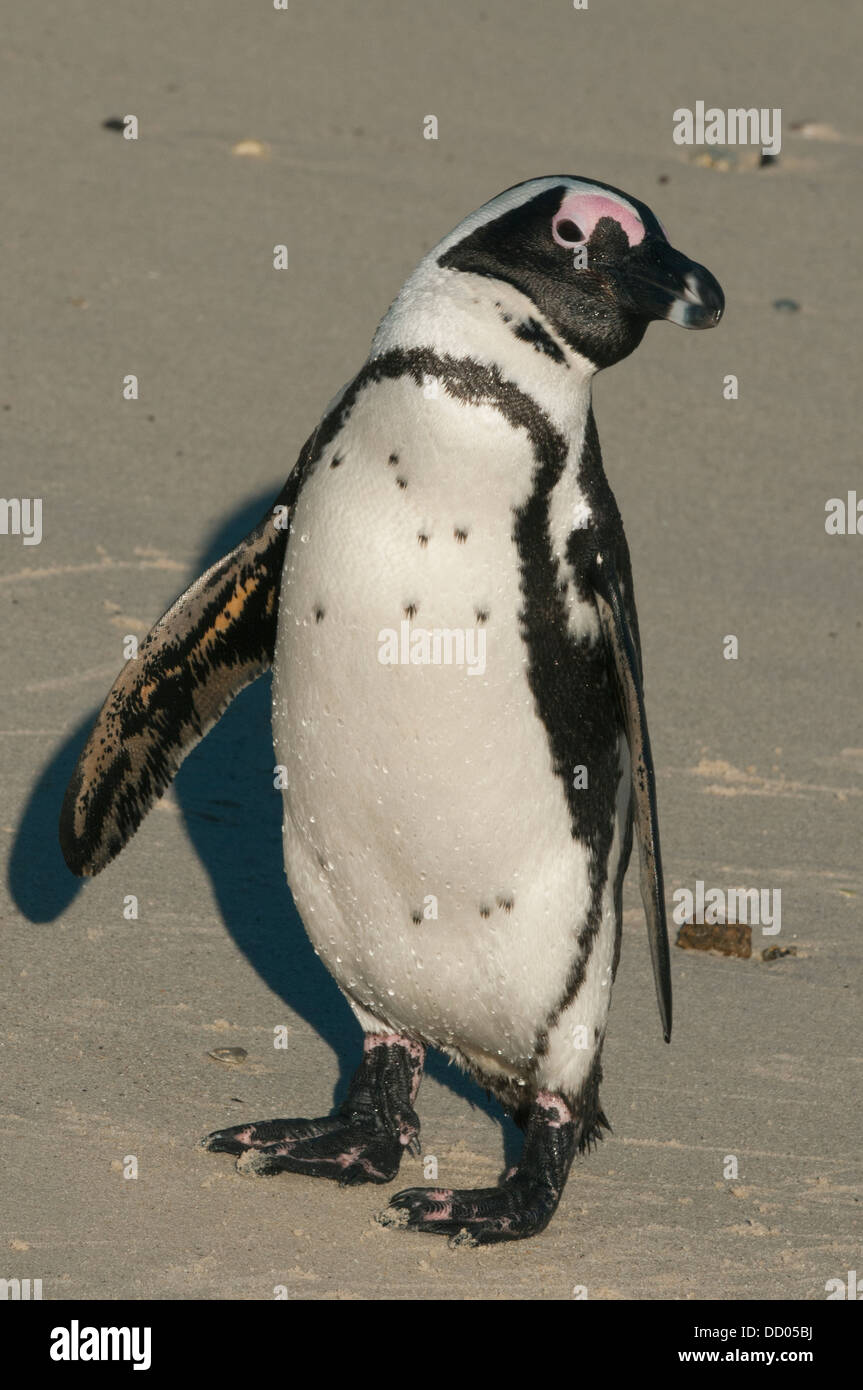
222, 1142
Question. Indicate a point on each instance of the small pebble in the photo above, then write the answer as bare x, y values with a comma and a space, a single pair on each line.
721, 160
815, 130
251, 149
786, 306
231, 1056
777, 952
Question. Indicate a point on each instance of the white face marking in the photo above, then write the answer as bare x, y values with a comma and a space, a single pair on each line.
624, 212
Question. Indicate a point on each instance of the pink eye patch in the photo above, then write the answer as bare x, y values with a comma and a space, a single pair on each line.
580, 212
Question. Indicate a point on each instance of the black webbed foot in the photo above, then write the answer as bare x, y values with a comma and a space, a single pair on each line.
362, 1142
523, 1203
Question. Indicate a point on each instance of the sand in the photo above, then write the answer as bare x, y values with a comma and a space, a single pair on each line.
154, 257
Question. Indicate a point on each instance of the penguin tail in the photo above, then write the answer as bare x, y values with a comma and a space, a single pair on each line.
216, 639
592, 1133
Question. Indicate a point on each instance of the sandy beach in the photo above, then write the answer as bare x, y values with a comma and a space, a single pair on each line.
154, 257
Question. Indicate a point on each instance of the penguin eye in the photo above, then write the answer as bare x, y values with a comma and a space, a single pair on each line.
568, 232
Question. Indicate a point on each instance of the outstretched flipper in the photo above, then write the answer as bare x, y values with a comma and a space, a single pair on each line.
622, 647
216, 639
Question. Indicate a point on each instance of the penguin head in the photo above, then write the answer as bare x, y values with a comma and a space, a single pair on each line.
597, 264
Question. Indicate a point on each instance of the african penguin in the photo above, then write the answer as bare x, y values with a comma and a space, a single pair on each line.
443, 588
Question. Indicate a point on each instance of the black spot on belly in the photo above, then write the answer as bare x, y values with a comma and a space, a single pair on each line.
481, 615
505, 902
402, 483
416, 917
484, 910
393, 460
334, 463
410, 610
423, 539
461, 536
319, 615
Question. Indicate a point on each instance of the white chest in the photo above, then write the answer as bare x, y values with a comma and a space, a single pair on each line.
425, 830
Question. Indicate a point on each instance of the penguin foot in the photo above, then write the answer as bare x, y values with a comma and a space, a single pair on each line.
521, 1205
364, 1140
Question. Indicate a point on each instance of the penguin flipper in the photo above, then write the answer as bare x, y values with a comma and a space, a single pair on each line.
216, 639
622, 647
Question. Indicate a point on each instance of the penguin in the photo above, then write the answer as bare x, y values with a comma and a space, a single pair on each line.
444, 592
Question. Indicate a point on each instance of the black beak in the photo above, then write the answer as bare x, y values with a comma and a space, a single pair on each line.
661, 283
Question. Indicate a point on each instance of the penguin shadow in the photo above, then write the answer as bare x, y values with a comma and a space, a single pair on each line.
232, 814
